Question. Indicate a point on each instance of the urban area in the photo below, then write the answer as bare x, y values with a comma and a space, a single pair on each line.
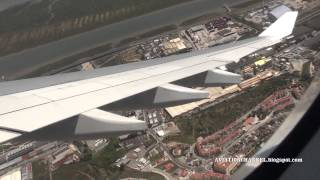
182, 142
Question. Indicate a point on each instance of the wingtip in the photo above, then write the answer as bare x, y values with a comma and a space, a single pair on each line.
282, 27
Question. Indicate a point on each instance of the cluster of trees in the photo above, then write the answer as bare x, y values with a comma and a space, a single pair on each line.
215, 118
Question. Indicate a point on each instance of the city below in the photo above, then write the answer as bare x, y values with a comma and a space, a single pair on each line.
182, 142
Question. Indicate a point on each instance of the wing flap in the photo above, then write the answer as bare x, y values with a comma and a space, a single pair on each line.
91, 124
162, 96
52, 112
34, 108
101, 122
169, 93
218, 77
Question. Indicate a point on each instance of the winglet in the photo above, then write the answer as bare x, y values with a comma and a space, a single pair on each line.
282, 27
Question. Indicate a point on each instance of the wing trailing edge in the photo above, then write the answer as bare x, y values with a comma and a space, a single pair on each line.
64, 108
211, 78
162, 96
92, 124
98, 121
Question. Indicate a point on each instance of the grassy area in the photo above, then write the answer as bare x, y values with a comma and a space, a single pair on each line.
69, 62
26, 16
108, 155
4, 147
98, 166
40, 170
199, 19
29, 25
218, 116
158, 31
156, 157
85, 171
79, 171
247, 4
128, 40
127, 172
178, 138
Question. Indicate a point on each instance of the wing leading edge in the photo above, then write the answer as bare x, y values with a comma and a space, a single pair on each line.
45, 106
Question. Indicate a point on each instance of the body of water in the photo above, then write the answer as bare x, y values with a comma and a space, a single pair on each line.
18, 64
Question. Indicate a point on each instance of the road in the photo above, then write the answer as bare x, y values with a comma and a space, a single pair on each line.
167, 151
162, 173
308, 17
34, 158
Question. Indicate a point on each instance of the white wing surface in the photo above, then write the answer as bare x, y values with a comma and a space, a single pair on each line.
66, 105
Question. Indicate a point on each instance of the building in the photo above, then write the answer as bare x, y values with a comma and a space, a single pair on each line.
87, 66
225, 167
203, 149
12, 175
26, 172
97, 145
177, 151
184, 108
196, 28
160, 133
66, 155
168, 167
279, 11
262, 61
183, 173
302, 67
22, 173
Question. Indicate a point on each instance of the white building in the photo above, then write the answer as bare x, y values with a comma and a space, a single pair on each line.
279, 10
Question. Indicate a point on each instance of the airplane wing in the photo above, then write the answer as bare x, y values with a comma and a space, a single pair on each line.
67, 105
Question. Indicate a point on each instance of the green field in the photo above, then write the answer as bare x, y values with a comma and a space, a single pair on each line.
91, 167
95, 166
38, 14
220, 115
85, 171
29, 25
69, 62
